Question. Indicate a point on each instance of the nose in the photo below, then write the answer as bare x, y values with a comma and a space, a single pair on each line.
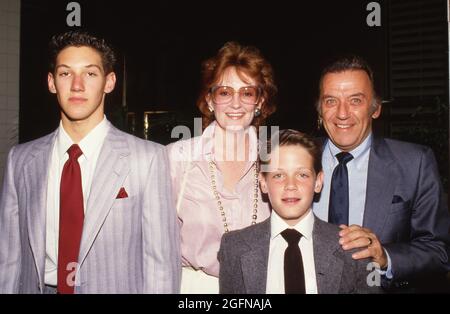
77, 84
342, 112
290, 184
235, 102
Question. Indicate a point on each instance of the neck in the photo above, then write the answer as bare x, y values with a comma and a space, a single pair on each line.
78, 129
292, 222
231, 145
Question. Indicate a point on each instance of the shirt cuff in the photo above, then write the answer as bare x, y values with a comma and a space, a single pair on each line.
388, 272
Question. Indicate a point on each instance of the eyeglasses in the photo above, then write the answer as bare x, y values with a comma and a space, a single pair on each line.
248, 95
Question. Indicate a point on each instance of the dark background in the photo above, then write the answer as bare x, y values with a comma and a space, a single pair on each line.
164, 43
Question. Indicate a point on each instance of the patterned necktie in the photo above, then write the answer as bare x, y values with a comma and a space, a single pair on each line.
71, 216
294, 276
339, 198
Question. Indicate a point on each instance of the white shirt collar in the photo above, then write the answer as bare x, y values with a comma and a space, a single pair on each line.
88, 145
358, 153
304, 226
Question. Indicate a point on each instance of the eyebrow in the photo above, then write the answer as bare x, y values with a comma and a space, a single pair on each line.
352, 95
87, 66
237, 88
328, 96
299, 168
357, 94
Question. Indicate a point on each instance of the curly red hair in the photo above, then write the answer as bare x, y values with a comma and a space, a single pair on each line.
247, 60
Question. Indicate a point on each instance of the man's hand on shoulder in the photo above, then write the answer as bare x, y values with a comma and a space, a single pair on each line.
355, 236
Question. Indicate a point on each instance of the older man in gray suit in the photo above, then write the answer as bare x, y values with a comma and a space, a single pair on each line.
88, 208
386, 195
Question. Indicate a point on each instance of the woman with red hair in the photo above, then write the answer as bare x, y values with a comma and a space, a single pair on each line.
215, 175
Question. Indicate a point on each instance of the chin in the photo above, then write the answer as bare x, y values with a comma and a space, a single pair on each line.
78, 116
296, 215
235, 127
343, 142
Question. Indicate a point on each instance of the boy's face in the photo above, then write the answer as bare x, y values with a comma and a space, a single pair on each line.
80, 83
291, 182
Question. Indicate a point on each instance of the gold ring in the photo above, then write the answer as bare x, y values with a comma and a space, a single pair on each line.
370, 241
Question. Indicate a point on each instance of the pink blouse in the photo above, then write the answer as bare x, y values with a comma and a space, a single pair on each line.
199, 215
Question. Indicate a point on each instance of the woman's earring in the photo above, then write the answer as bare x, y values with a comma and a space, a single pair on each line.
257, 112
319, 123
211, 109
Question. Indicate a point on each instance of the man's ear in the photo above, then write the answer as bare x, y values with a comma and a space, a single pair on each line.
376, 103
263, 183
377, 112
51, 83
319, 182
110, 82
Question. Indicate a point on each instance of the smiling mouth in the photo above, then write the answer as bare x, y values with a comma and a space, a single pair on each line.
235, 116
343, 126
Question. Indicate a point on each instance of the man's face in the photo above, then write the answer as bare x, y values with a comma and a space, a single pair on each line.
80, 84
291, 182
346, 108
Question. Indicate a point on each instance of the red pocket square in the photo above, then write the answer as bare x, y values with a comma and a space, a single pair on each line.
122, 193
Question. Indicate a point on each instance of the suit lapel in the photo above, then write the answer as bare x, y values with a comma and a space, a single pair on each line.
328, 259
35, 173
380, 186
254, 262
110, 173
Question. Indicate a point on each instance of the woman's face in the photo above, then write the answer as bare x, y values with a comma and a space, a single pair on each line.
234, 101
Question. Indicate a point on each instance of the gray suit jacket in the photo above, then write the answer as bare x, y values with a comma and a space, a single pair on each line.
244, 256
405, 208
129, 245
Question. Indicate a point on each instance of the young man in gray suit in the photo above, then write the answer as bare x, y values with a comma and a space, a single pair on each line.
392, 207
292, 251
87, 208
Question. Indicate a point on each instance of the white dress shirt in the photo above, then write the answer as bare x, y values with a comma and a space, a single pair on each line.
90, 145
357, 180
275, 267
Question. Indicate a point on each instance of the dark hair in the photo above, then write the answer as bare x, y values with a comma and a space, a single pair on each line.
247, 60
349, 63
289, 137
81, 39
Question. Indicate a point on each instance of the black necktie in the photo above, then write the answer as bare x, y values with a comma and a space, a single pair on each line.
294, 277
338, 208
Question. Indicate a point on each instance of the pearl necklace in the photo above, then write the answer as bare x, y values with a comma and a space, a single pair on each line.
212, 167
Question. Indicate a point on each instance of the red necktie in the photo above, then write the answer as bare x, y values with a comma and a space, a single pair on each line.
71, 215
